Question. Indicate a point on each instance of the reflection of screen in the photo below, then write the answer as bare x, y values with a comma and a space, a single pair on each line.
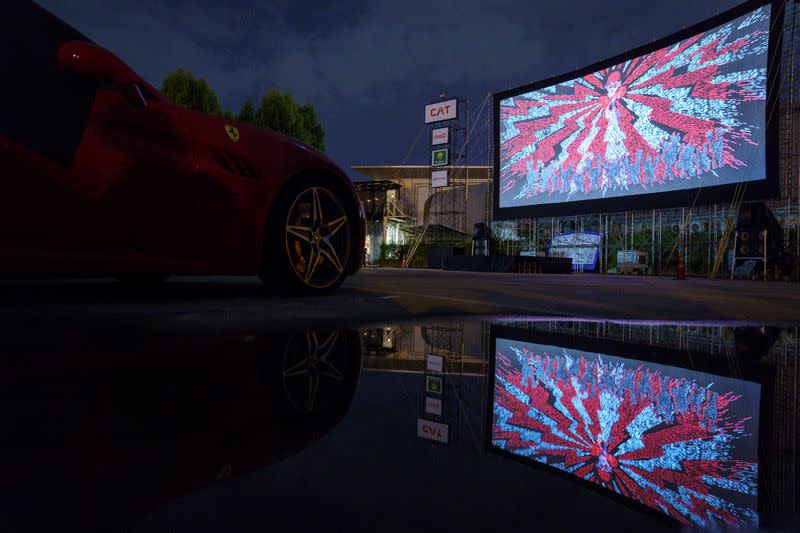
582, 246
685, 116
680, 441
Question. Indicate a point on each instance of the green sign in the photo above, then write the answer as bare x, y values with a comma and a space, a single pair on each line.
433, 384
439, 157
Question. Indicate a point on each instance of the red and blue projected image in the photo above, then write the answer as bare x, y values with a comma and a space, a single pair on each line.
680, 441
686, 116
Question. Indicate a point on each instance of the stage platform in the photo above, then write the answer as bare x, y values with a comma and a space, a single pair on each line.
506, 263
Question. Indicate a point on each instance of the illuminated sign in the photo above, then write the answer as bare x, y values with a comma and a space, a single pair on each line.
439, 157
435, 363
440, 136
441, 111
438, 178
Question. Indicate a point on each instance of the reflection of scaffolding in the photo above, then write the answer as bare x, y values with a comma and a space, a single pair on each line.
709, 340
696, 233
447, 341
784, 359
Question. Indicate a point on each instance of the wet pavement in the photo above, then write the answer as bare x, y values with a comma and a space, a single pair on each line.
457, 423
397, 294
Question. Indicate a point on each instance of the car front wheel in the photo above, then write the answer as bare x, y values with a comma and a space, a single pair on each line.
311, 240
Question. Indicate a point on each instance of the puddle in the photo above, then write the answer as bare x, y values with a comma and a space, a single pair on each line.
476, 424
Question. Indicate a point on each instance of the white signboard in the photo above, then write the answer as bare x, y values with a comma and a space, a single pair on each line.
435, 363
441, 111
440, 136
433, 406
438, 178
427, 429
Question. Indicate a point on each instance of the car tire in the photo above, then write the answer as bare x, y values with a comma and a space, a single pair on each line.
309, 239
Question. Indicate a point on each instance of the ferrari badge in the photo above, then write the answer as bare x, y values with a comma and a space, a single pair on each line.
233, 133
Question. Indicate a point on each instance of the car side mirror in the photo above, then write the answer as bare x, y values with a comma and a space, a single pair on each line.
88, 58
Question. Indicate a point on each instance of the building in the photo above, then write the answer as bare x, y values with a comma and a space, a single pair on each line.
396, 197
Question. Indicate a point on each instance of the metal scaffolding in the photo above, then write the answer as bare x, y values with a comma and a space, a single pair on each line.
448, 208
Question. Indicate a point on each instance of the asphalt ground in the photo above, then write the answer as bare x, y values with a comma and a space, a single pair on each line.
389, 294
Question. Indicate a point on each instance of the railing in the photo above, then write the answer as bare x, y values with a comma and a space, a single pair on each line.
395, 209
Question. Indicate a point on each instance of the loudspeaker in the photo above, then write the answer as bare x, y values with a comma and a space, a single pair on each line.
480, 231
754, 219
751, 244
481, 239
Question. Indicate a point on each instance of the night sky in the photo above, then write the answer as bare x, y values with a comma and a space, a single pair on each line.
370, 67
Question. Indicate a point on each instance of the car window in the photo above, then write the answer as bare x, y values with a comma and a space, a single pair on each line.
45, 107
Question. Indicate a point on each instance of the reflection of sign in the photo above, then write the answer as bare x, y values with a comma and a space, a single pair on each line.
435, 363
433, 384
439, 157
433, 406
233, 132
439, 178
440, 136
427, 429
441, 111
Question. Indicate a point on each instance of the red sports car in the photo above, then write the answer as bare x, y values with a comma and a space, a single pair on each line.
99, 174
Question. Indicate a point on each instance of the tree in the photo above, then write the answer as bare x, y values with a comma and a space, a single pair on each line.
247, 113
315, 133
280, 112
184, 90
277, 111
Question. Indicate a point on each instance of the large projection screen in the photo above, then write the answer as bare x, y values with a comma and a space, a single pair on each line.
682, 442
682, 121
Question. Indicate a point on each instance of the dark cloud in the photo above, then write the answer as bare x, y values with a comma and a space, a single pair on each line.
369, 67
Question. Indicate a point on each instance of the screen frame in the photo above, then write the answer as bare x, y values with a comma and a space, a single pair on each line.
755, 190
648, 354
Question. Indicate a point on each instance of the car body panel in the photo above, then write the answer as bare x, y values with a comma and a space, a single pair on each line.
125, 181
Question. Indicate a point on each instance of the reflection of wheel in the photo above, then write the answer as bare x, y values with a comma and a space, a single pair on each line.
310, 372
310, 239
316, 376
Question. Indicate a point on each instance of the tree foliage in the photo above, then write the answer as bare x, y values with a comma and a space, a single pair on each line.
277, 110
315, 135
184, 90
247, 113
280, 112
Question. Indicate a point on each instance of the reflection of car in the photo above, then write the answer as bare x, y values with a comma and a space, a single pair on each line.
105, 431
101, 175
